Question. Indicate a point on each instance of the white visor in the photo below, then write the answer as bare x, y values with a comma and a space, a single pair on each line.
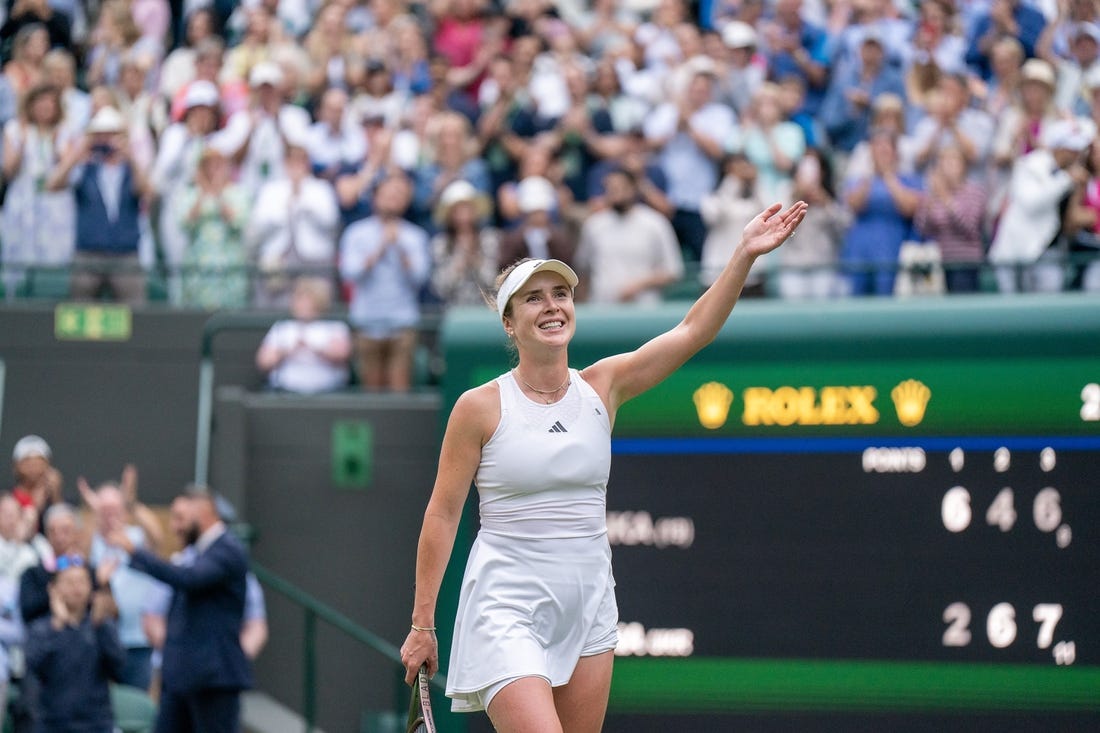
523, 272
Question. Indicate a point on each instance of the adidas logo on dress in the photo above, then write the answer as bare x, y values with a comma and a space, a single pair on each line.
557, 427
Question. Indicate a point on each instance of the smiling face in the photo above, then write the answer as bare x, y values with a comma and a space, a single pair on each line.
541, 312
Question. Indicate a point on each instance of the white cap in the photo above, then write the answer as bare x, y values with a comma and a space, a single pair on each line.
265, 72
30, 446
1038, 70
457, 191
523, 272
107, 119
873, 35
1073, 134
738, 34
1087, 29
535, 193
701, 64
201, 93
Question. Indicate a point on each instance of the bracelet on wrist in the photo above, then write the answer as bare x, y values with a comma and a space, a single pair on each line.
422, 628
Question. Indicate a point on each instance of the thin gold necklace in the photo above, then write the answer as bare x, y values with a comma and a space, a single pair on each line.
554, 391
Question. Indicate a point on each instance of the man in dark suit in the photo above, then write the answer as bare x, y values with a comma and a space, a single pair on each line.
204, 668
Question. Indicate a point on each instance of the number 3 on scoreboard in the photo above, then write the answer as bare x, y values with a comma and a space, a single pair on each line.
1090, 402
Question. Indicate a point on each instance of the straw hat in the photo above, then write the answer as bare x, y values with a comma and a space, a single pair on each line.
457, 192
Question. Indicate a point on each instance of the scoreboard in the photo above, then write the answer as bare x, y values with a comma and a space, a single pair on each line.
821, 555
862, 508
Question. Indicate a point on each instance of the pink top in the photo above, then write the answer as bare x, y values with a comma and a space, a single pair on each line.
459, 40
1092, 200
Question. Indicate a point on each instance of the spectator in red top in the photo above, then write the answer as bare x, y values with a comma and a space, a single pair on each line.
464, 38
37, 482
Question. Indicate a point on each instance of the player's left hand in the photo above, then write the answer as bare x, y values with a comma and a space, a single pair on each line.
770, 228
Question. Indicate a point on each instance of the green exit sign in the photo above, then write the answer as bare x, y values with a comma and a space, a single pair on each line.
87, 322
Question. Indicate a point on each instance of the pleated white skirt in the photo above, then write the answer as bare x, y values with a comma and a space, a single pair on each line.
530, 607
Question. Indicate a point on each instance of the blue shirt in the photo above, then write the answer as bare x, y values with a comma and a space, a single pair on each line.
877, 232
425, 195
1030, 23
692, 174
782, 65
847, 123
385, 298
129, 587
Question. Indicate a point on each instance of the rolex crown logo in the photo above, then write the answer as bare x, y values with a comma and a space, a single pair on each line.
910, 400
712, 404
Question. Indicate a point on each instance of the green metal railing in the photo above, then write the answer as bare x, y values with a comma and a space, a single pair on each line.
314, 611
51, 283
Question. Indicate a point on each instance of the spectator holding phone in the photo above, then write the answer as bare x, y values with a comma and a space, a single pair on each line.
108, 189
808, 260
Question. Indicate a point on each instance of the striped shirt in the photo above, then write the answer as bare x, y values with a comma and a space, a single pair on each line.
955, 223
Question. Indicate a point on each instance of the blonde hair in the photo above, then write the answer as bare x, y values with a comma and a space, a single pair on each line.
317, 289
491, 298
470, 146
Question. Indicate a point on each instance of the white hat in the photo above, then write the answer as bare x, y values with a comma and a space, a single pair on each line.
265, 72
1087, 29
701, 64
1073, 134
458, 192
201, 93
1038, 70
107, 119
30, 446
523, 272
738, 34
873, 35
535, 193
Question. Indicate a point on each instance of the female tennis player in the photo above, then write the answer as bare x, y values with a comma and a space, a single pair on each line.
535, 633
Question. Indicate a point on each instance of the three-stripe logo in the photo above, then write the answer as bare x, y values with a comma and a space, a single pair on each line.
557, 427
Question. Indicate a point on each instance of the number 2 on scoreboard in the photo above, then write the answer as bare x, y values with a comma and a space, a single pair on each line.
1090, 402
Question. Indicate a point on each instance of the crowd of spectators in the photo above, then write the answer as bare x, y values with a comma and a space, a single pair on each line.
405, 149
76, 613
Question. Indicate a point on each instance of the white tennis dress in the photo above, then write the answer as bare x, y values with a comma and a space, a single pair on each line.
538, 593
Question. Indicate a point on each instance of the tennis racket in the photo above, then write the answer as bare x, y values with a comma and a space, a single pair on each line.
420, 706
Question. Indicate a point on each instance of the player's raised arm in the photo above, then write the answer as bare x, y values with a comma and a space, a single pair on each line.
624, 376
